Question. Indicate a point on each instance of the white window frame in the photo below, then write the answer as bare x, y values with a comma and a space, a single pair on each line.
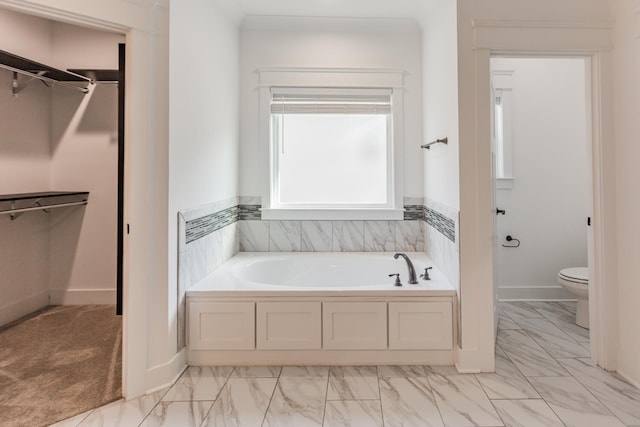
502, 81
340, 79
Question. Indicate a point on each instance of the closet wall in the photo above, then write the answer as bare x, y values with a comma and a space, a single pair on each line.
57, 139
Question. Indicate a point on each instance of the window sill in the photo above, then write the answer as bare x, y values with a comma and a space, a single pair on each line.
333, 214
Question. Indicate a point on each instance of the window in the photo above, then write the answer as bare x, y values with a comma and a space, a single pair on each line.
501, 81
331, 149
331, 143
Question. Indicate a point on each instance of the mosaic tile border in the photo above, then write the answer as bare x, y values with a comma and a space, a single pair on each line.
205, 225
250, 212
413, 212
443, 224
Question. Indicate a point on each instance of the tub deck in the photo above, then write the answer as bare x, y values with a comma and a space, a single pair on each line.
224, 282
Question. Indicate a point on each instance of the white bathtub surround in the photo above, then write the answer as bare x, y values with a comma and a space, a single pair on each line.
329, 308
439, 246
204, 247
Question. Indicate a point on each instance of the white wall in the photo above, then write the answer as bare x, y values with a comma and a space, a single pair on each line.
440, 103
24, 167
328, 43
547, 206
84, 156
204, 121
440, 119
626, 56
24, 150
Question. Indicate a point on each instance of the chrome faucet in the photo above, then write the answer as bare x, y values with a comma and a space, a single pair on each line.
412, 271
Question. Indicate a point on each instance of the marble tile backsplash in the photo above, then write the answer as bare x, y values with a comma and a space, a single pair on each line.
331, 236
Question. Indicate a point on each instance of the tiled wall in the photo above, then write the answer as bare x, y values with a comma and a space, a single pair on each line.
441, 225
207, 238
212, 234
331, 236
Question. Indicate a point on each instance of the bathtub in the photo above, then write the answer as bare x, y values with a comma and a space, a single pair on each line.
320, 308
321, 273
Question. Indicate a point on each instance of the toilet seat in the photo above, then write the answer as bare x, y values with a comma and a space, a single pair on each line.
577, 275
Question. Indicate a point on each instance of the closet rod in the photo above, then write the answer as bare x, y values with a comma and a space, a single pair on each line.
44, 208
47, 79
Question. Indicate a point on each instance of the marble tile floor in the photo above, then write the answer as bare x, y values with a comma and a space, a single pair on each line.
543, 377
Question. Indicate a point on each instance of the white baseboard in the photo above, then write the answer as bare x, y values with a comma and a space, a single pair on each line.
473, 362
629, 378
319, 357
162, 376
554, 292
82, 296
17, 309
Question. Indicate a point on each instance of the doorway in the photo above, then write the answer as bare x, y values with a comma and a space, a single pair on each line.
60, 133
541, 145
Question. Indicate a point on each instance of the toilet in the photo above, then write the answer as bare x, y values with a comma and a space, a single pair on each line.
575, 280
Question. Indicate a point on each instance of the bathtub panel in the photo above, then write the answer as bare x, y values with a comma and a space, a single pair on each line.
420, 326
288, 326
354, 325
222, 326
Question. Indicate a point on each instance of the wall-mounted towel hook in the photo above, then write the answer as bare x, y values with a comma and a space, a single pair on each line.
428, 145
511, 239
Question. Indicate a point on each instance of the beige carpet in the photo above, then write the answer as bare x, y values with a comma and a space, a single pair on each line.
59, 362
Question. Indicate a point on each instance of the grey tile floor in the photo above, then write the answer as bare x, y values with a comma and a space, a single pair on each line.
543, 377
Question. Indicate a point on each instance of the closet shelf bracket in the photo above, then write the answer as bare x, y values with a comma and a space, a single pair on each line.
48, 75
16, 204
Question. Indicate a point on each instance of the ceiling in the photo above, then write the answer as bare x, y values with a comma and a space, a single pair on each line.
332, 8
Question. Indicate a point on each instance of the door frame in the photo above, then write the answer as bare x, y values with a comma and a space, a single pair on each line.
489, 38
588, 90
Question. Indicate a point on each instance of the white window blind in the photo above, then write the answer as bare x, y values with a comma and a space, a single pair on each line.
356, 101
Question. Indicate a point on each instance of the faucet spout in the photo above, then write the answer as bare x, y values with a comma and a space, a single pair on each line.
412, 270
